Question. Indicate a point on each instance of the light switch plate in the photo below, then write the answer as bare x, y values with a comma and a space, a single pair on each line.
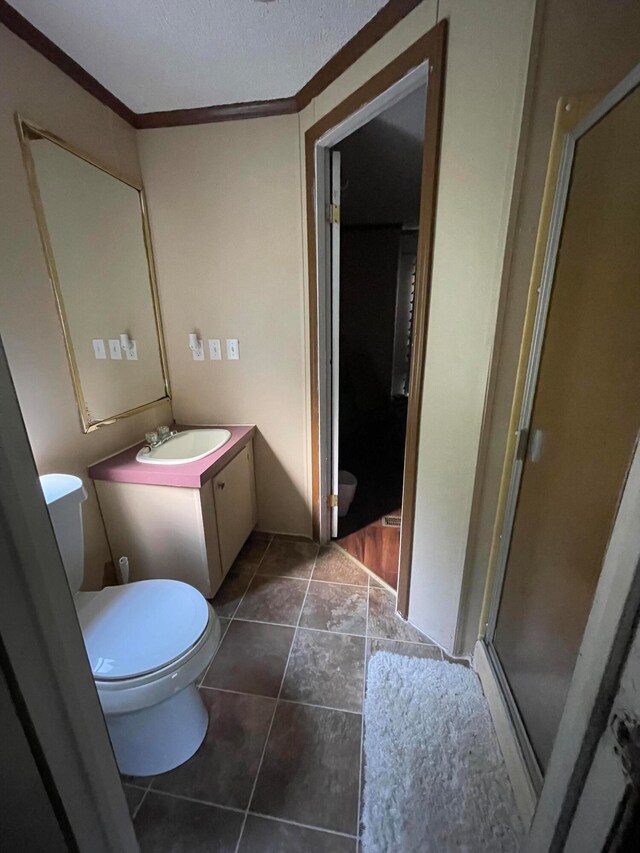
233, 349
114, 348
215, 350
132, 352
98, 348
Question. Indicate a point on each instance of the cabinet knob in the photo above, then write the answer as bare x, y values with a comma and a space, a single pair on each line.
220, 485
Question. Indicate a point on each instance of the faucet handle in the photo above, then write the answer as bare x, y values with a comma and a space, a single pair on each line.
151, 438
163, 431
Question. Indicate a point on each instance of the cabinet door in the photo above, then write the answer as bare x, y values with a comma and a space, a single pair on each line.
234, 495
210, 535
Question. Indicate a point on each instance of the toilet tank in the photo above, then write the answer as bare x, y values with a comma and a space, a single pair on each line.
64, 495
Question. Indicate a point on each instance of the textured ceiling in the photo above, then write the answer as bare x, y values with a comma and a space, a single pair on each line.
176, 54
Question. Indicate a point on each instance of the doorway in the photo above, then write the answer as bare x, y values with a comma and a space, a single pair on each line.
380, 169
578, 426
417, 71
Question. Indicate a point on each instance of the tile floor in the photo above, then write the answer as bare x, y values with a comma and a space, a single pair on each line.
280, 768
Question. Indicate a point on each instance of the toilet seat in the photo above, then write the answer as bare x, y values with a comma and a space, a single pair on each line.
157, 637
134, 694
140, 628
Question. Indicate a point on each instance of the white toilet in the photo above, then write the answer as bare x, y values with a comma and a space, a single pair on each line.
148, 643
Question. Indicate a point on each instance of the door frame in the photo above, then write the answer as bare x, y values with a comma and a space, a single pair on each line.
43, 658
332, 158
525, 770
423, 61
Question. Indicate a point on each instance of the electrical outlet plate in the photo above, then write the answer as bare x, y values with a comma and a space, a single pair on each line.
233, 349
215, 350
132, 352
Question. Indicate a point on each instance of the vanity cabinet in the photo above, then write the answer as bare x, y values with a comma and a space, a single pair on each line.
187, 534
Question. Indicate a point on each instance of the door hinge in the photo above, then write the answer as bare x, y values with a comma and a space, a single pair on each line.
332, 500
523, 443
333, 214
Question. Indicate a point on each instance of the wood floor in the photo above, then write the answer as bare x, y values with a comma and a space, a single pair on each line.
377, 546
378, 467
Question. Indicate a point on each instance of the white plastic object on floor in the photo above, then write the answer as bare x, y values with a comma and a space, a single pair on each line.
347, 485
123, 569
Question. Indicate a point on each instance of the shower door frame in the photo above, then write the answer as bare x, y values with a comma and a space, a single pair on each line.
530, 764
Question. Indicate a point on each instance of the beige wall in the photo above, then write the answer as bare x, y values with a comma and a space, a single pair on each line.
29, 324
224, 205
585, 47
226, 208
486, 71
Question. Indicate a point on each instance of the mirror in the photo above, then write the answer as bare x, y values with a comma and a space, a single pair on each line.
95, 235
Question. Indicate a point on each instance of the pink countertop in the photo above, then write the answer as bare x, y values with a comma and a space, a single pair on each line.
123, 467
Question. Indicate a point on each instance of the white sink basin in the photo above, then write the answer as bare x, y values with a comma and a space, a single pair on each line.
187, 446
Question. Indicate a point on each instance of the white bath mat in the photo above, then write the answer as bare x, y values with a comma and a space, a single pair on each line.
435, 780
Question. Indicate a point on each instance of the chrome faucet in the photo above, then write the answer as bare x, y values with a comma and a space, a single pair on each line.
159, 436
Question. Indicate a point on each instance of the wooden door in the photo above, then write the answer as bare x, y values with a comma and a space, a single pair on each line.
584, 423
235, 502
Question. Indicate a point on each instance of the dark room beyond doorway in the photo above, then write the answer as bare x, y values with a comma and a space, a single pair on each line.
381, 169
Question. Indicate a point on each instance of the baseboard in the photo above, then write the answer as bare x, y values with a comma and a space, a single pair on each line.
364, 568
521, 782
290, 537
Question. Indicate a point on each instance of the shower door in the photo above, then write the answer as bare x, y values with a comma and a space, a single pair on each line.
578, 425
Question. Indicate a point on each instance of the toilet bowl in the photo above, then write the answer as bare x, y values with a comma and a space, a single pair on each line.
147, 642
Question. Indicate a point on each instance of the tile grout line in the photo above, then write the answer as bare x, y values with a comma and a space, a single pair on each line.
230, 618
223, 634
134, 814
126, 783
273, 716
280, 699
302, 627
364, 693
369, 572
253, 574
362, 586
187, 799
236, 810
342, 633
303, 825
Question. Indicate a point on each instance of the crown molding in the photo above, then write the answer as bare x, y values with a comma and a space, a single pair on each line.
220, 112
383, 21
20, 27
